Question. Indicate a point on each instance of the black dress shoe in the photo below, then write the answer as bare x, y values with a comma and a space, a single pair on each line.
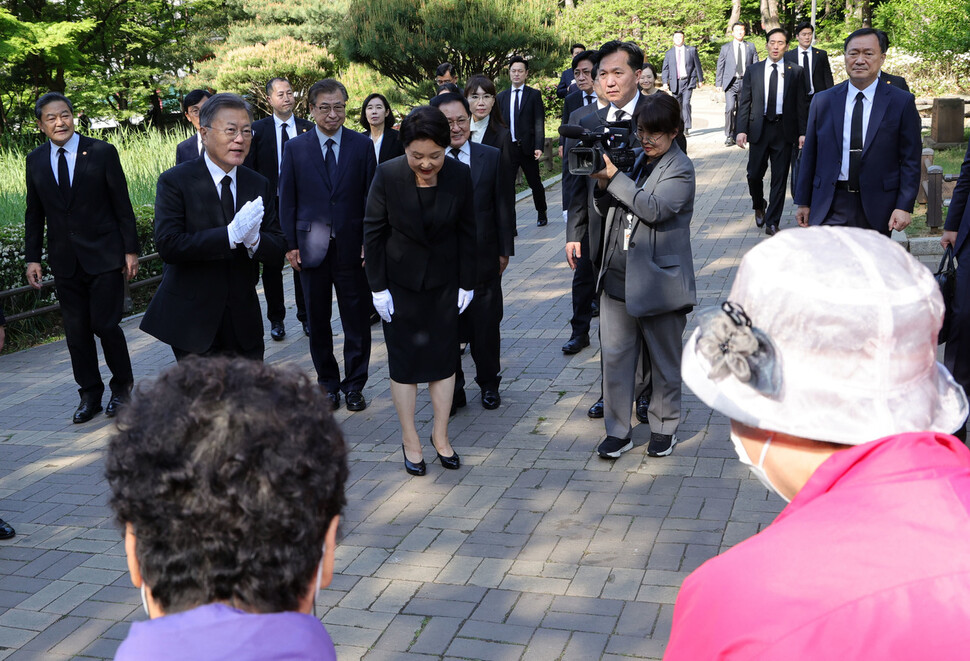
730, 142
412, 468
356, 401
86, 411
6, 530
459, 401
771, 230
542, 220
490, 399
575, 344
596, 410
595, 309
451, 463
306, 329
643, 405
117, 401
759, 216
334, 400
277, 331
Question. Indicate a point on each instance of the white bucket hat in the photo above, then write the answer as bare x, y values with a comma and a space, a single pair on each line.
829, 333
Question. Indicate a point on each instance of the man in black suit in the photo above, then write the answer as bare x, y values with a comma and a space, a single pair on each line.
522, 109
270, 136
772, 117
75, 185
324, 180
885, 76
567, 81
214, 219
814, 62
495, 231
191, 148
681, 74
734, 59
584, 95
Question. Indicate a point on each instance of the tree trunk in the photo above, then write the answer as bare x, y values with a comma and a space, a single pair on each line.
769, 15
866, 11
570, 4
735, 15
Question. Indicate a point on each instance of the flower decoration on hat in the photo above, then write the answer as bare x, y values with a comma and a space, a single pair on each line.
733, 346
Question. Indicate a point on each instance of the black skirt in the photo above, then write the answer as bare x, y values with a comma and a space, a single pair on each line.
422, 337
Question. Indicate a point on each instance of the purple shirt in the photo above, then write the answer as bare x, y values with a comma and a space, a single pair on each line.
215, 632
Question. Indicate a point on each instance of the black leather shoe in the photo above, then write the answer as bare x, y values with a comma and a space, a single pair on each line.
759, 216
595, 309
543, 220
356, 401
596, 410
575, 344
412, 468
306, 329
771, 230
643, 404
490, 399
277, 331
117, 401
86, 411
730, 142
451, 463
6, 530
334, 400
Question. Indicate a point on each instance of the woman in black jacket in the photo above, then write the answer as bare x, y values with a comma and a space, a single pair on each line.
377, 118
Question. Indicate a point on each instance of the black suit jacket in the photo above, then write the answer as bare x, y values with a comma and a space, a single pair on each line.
501, 138
530, 125
692, 63
567, 83
262, 152
95, 227
203, 274
391, 146
494, 210
895, 81
187, 150
414, 248
573, 102
821, 71
751, 109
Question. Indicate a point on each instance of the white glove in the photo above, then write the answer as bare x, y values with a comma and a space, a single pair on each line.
383, 304
245, 219
464, 299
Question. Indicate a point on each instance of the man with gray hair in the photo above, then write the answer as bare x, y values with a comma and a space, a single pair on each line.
214, 220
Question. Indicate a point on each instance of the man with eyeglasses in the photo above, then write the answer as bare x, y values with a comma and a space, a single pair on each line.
324, 180
214, 219
77, 190
191, 148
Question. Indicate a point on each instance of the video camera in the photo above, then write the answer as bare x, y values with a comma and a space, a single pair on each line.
612, 139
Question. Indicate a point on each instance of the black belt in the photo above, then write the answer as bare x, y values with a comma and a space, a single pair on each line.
844, 186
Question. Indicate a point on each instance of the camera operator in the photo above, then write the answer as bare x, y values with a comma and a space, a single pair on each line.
645, 275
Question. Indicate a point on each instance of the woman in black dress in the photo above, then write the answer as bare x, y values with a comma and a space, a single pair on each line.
377, 118
419, 254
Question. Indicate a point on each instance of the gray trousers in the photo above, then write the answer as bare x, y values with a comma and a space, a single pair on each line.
620, 344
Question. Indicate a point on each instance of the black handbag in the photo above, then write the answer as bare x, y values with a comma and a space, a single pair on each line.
946, 278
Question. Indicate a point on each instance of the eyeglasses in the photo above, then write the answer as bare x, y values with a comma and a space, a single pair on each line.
480, 97
232, 132
461, 122
326, 108
650, 139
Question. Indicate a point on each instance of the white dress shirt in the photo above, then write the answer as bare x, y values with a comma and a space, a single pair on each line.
512, 95
323, 137
70, 148
464, 154
479, 128
290, 129
808, 72
680, 52
218, 174
628, 109
780, 98
377, 147
851, 92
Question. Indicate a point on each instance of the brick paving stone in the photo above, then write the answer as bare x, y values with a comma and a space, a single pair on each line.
535, 549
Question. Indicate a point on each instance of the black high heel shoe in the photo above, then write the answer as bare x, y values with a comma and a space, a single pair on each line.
412, 468
451, 463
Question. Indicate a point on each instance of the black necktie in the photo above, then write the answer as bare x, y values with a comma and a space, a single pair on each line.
284, 136
589, 99
228, 205
739, 68
855, 144
63, 174
808, 74
331, 160
518, 102
455, 153
770, 112
619, 116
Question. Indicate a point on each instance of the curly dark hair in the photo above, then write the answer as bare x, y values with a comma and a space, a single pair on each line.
230, 472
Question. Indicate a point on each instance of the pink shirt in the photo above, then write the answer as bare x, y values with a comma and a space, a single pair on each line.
871, 560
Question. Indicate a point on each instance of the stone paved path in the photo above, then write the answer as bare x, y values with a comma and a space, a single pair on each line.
535, 549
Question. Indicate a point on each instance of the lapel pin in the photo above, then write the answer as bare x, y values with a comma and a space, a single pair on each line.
84, 153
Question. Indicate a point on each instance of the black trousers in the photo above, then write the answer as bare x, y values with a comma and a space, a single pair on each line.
770, 148
479, 324
683, 98
956, 353
523, 157
847, 211
91, 305
584, 291
732, 97
273, 290
354, 302
226, 343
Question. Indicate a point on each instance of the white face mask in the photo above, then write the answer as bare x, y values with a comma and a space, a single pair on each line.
316, 586
144, 600
759, 469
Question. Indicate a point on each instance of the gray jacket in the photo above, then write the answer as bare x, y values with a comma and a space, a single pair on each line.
660, 266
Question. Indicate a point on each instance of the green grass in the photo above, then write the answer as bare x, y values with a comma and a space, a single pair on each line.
144, 155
